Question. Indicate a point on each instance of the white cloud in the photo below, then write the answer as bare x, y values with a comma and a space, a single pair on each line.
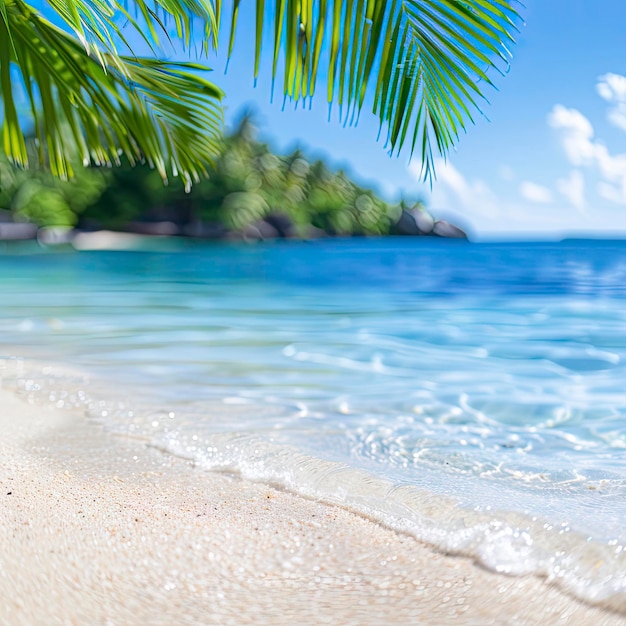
612, 88
576, 132
573, 188
473, 203
577, 137
454, 190
594, 169
535, 193
613, 168
612, 193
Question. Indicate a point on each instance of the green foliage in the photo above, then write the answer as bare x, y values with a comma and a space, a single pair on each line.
37, 196
247, 183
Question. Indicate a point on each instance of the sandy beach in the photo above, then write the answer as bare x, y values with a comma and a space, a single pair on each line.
98, 529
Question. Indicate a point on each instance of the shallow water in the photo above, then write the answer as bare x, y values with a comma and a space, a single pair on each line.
471, 395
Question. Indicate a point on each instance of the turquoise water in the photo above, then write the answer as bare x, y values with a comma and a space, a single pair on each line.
472, 395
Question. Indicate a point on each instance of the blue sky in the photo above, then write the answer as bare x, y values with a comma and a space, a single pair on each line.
549, 162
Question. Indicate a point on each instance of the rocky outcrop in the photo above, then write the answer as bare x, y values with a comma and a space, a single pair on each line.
276, 225
442, 228
205, 230
162, 228
17, 231
282, 223
406, 225
260, 230
419, 222
424, 220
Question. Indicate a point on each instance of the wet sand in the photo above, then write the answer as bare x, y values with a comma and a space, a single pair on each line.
101, 530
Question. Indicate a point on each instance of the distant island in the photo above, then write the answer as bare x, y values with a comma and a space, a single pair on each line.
251, 194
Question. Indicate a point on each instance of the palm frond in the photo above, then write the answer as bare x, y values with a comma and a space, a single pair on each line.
424, 62
96, 22
99, 107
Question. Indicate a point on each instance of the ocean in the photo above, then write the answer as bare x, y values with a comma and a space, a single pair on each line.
470, 395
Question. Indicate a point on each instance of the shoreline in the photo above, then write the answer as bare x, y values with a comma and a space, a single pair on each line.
101, 529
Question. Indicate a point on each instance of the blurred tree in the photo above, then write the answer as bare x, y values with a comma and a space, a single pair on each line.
37, 196
247, 184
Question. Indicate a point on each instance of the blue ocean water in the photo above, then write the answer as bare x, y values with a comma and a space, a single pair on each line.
472, 395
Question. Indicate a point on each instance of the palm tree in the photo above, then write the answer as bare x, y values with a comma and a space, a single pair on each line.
421, 64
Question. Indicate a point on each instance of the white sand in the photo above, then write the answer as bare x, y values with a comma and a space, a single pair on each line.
96, 529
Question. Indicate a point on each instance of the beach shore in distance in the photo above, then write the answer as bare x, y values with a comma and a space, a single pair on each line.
101, 530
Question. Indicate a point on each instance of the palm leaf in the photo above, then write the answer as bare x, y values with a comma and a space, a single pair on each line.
96, 22
98, 107
425, 63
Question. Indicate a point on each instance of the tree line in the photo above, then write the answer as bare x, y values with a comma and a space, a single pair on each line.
250, 191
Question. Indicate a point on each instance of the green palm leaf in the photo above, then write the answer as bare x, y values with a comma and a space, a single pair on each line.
96, 22
425, 62
99, 106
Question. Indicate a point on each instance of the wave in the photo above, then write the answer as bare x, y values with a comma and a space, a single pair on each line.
502, 541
